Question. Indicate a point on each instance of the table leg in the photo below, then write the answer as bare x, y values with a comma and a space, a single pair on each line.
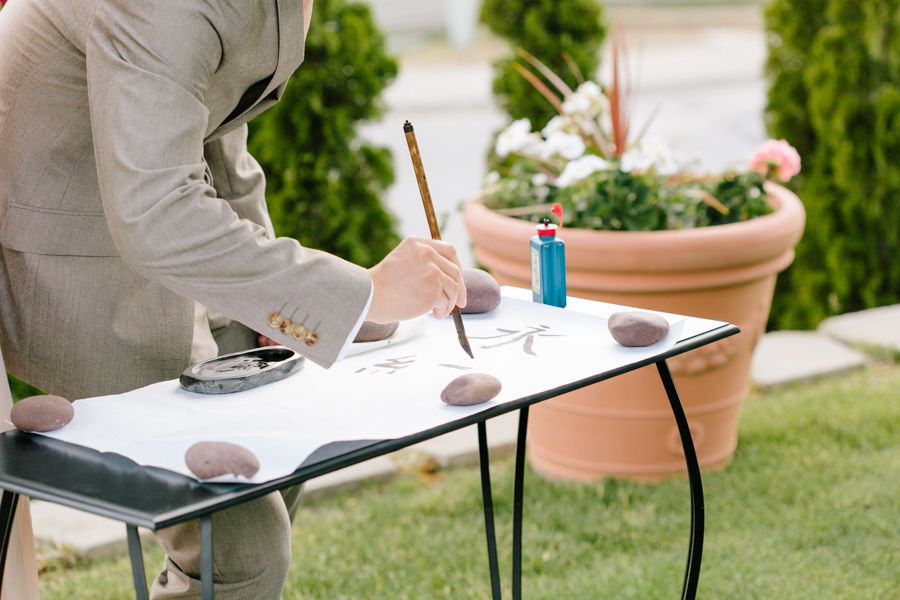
7, 514
488, 509
137, 563
695, 547
206, 557
518, 492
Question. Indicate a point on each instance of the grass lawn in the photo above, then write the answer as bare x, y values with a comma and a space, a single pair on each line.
808, 509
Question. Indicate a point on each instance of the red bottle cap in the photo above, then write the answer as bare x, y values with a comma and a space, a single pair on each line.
546, 229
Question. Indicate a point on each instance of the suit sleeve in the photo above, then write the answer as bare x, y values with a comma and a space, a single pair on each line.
237, 177
240, 181
148, 70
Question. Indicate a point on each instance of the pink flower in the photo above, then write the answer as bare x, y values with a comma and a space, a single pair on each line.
776, 156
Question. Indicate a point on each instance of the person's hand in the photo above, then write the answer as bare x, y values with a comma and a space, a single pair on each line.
264, 341
418, 276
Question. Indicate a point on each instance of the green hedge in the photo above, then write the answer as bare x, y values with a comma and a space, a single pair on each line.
20, 389
834, 73
323, 185
549, 30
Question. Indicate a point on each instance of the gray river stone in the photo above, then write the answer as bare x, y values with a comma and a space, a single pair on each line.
212, 459
471, 388
42, 413
637, 328
375, 332
482, 291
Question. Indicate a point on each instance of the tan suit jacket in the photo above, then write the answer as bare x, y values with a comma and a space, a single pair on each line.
127, 193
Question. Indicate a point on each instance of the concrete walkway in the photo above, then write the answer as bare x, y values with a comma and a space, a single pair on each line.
702, 66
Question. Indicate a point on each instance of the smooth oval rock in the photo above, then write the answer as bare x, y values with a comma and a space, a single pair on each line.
42, 413
212, 459
636, 328
375, 332
471, 388
482, 291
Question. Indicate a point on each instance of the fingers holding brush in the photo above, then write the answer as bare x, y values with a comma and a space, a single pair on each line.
418, 276
450, 291
452, 283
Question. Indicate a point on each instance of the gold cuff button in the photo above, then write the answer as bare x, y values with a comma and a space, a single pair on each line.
300, 333
275, 320
287, 328
311, 338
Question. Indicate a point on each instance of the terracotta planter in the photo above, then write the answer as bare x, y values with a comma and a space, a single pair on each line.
624, 427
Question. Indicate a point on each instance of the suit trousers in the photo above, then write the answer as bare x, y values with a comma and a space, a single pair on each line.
251, 551
251, 541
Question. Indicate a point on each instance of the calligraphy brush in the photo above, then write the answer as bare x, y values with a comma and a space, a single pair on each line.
432, 222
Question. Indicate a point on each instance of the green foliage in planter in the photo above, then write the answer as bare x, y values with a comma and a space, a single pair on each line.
619, 201
612, 200
549, 30
323, 185
741, 193
834, 69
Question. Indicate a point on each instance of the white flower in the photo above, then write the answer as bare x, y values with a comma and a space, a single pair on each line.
649, 153
591, 90
568, 145
576, 103
557, 123
633, 159
606, 122
492, 178
588, 100
539, 179
580, 168
564, 123
518, 138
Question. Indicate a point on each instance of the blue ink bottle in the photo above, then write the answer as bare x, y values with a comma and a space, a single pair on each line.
548, 264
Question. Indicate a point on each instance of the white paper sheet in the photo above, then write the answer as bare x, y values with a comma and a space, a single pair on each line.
389, 392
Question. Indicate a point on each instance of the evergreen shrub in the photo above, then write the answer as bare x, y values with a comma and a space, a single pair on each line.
834, 74
323, 185
19, 389
551, 31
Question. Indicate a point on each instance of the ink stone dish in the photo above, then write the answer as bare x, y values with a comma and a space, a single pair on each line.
241, 371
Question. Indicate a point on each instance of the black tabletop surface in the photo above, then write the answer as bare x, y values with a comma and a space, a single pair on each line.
114, 486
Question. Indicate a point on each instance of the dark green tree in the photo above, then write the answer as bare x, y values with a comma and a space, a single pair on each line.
834, 72
324, 185
551, 31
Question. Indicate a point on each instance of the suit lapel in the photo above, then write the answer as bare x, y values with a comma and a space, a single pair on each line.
290, 43
267, 91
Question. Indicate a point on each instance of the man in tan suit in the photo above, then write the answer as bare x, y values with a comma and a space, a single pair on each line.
134, 237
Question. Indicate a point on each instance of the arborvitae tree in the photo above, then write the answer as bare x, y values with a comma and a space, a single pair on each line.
323, 185
834, 70
550, 30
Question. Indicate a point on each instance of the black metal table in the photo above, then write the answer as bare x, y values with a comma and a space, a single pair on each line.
115, 487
